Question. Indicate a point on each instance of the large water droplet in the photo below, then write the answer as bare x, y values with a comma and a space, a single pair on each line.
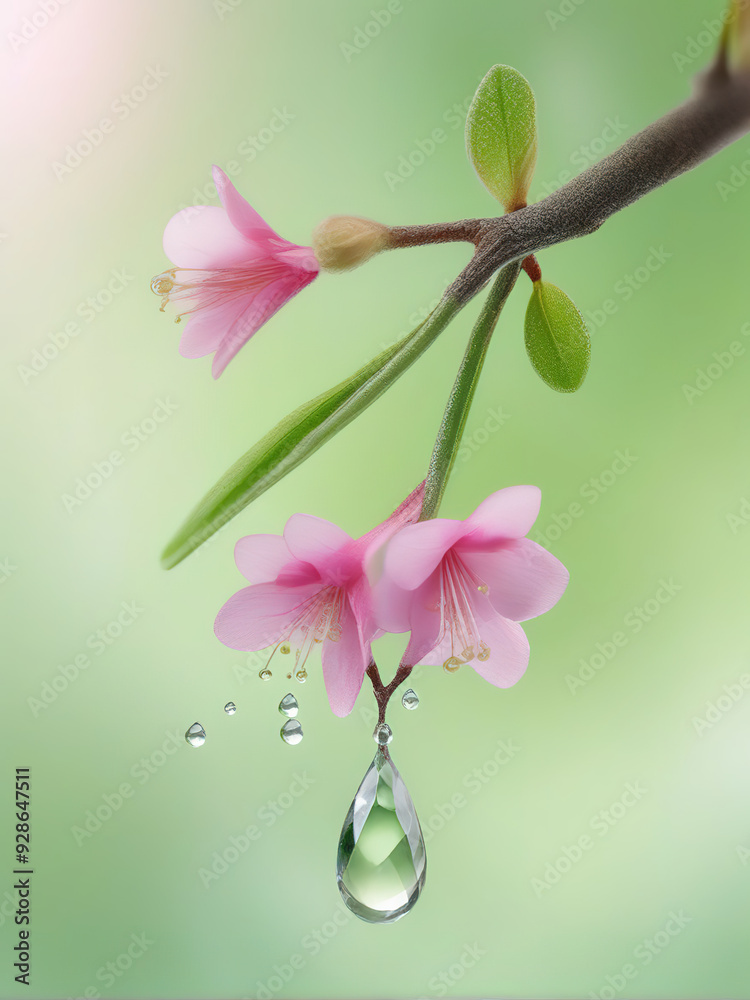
230, 708
381, 864
410, 699
196, 735
383, 734
289, 705
291, 732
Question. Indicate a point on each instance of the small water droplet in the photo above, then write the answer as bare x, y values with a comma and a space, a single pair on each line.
291, 732
265, 674
410, 699
483, 588
381, 862
288, 677
383, 734
301, 675
289, 705
230, 708
196, 735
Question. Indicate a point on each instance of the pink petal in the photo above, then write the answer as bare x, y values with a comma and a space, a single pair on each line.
202, 237
416, 551
258, 616
207, 326
241, 214
372, 544
509, 652
393, 605
313, 539
260, 558
425, 622
524, 579
260, 307
509, 513
344, 665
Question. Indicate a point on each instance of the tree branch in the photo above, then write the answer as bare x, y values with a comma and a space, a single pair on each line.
717, 115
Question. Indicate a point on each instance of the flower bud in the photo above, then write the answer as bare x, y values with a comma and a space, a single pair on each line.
342, 242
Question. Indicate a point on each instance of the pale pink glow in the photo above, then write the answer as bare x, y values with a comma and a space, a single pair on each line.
232, 274
462, 587
309, 587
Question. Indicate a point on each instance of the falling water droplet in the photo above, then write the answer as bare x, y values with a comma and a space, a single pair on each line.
291, 732
196, 735
381, 864
289, 705
383, 734
265, 674
230, 708
410, 699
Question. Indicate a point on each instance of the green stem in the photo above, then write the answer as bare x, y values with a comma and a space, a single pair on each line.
301, 434
462, 394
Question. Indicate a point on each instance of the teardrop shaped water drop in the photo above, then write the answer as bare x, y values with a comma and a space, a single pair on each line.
230, 708
289, 705
410, 699
381, 864
291, 732
383, 734
196, 735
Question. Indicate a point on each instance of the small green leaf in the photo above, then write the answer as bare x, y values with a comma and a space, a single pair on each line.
301, 434
501, 135
557, 340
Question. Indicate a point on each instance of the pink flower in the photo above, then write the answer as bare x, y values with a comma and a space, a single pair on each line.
232, 273
310, 587
462, 587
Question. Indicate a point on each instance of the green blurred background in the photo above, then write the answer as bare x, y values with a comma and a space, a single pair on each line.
655, 902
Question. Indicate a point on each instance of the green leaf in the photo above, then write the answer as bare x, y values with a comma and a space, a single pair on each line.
501, 135
301, 434
557, 340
